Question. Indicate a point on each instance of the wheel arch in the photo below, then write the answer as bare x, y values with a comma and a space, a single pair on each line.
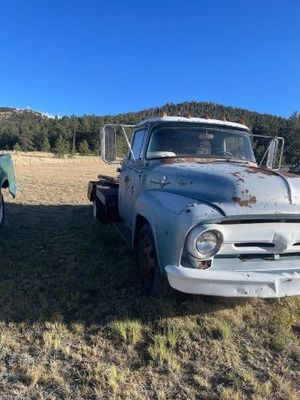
4, 184
140, 221
7, 183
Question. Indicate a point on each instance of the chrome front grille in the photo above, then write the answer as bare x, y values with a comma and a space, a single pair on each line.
260, 239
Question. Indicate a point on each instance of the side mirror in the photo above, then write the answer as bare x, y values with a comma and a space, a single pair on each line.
275, 153
272, 153
108, 139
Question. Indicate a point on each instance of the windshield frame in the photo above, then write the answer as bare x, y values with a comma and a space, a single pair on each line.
209, 127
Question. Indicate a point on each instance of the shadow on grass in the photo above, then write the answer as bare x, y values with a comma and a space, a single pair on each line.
56, 263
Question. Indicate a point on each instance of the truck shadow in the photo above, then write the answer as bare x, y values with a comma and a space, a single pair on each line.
56, 263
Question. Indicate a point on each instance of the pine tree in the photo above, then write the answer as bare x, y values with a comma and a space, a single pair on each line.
74, 128
17, 147
45, 144
293, 138
84, 148
61, 146
41, 141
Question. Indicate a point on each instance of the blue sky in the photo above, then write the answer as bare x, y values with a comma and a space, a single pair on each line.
108, 57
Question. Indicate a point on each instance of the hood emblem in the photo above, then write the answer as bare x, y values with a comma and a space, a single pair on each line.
163, 181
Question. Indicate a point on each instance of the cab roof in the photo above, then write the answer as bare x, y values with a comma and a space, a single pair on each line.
193, 120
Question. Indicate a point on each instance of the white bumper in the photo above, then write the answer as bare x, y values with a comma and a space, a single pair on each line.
233, 283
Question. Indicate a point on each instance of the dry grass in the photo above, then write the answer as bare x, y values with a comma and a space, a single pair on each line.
74, 323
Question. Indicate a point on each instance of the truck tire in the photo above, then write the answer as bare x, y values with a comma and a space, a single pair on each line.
154, 283
2, 209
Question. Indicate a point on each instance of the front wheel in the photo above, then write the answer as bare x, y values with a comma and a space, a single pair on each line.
2, 211
152, 279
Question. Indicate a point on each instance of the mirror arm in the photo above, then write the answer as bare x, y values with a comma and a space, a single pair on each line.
128, 142
281, 151
264, 156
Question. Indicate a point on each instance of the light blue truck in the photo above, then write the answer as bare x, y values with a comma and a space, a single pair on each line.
200, 213
7, 181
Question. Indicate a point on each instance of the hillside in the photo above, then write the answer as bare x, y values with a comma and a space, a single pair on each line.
29, 130
16, 115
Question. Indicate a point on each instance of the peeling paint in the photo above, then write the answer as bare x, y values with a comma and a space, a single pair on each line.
198, 160
257, 170
290, 175
126, 180
245, 203
182, 182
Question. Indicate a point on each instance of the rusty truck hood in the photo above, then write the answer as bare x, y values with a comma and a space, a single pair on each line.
237, 189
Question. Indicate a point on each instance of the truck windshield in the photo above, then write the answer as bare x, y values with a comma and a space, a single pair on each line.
199, 142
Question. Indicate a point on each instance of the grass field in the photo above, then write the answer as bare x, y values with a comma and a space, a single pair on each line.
75, 324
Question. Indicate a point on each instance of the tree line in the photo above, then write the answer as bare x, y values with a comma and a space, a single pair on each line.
31, 131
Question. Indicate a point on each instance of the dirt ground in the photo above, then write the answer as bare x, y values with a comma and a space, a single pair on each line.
75, 323
45, 179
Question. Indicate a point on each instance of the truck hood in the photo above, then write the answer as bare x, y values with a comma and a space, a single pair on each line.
235, 189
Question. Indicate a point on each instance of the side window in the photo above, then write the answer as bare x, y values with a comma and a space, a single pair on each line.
137, 144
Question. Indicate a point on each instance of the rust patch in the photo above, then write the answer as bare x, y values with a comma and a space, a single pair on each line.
265, 171
238, 176
126, 180
245, 203
182, 182
288, 174
257, 170
199, 160
172, 160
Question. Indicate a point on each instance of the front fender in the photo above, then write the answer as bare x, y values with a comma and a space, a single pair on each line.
171, 217
7, 174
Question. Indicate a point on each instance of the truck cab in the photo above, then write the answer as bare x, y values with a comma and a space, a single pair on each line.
202, 216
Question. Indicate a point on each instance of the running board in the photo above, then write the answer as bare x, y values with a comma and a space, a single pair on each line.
124, 231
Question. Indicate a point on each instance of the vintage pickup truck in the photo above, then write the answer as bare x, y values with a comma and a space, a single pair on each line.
7, 180
199, 211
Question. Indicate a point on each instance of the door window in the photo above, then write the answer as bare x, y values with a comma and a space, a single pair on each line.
137, 144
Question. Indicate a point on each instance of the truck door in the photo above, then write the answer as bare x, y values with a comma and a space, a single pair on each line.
131, 177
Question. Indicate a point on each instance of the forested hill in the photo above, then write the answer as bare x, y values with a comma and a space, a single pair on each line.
30, 130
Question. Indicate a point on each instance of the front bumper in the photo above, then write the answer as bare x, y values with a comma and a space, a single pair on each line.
234, 283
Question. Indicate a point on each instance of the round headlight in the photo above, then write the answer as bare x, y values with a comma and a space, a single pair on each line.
208, 243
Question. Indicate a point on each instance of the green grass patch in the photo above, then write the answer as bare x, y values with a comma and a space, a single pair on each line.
128, 331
